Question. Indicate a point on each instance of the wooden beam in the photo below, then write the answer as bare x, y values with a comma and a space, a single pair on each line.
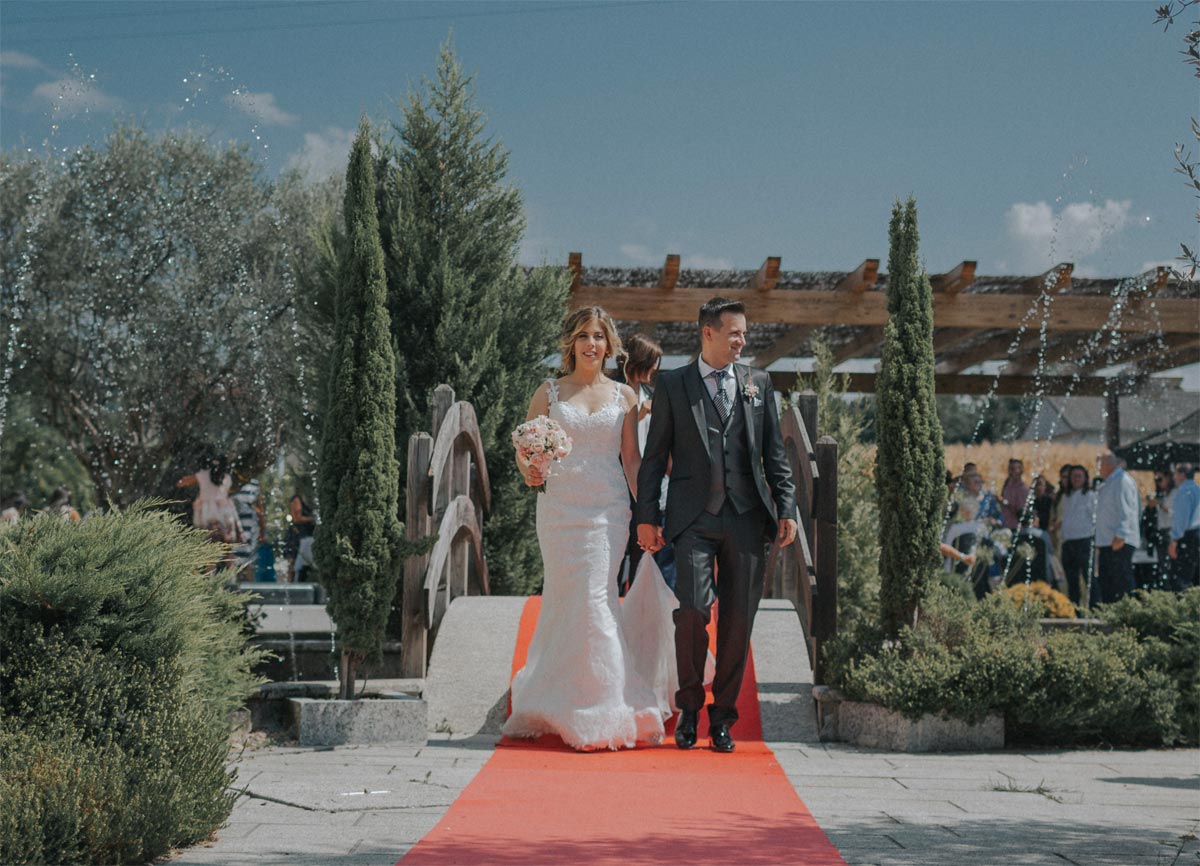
992, 349
785, 346
767, 276
859, 346
980, 385
854, 283
1055, 281
669, 275
803, 307
955, 280
860, 279
575, 263
1152, 347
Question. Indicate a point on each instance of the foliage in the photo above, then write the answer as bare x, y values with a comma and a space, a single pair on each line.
463, 312
962, 659
1167, 625
120, 661
153, 281
35, 460
356, 544
1185, 164
975, 419
858, 512
1098, 688
965, 659
909, 461
1041, 599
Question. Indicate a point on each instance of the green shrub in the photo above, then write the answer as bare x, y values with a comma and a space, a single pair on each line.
965, 659
962, 659
1095, 688
1167, 625
120, 660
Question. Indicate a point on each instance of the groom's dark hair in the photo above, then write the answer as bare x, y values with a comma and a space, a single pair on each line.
711, 312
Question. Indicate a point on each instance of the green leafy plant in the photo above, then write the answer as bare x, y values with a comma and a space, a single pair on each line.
121, 660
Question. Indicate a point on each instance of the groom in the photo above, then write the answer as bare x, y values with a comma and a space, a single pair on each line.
731, 493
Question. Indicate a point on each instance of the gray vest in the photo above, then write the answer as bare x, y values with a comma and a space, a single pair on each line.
732, 475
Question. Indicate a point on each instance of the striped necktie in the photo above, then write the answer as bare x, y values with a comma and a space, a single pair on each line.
721, 398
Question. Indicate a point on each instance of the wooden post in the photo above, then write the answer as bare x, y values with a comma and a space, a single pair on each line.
458, 582
417, 525
825, 510
806, 405
1112, 420
443, 399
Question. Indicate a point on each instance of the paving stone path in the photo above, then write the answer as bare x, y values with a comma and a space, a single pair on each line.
367, 805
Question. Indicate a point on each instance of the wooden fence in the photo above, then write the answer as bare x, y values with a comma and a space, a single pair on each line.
447, 495
805, 573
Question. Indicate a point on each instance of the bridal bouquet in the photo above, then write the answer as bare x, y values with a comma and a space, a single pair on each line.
540, 442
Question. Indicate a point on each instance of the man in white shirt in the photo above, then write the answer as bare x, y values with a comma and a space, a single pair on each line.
1118, 512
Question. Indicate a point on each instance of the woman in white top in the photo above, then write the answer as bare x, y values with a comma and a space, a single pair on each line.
1077, 530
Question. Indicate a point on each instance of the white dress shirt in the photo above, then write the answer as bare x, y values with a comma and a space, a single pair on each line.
730, 381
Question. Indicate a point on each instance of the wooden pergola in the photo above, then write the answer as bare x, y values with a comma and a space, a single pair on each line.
1053, 332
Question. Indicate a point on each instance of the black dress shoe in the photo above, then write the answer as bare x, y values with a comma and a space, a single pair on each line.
719, 738
685, 729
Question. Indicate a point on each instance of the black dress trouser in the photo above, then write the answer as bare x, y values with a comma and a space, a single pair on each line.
718, 558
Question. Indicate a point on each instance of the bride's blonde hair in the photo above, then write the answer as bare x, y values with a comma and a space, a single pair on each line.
575, 324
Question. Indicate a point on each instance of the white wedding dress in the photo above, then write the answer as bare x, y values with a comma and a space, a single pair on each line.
581, 681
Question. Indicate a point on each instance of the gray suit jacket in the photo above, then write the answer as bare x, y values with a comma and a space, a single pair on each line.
677, 433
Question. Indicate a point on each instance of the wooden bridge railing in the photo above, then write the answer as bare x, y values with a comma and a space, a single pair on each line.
805, 573
447, 495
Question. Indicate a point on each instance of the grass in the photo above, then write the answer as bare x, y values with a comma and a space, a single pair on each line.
1011, 787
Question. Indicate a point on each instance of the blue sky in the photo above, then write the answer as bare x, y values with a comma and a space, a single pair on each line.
1030, 133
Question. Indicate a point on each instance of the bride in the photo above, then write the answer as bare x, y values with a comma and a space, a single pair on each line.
580, 680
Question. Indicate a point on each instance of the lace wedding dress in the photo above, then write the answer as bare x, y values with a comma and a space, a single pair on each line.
580, 680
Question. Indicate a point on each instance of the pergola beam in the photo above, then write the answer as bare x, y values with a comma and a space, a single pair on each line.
804, 307
860, 279
955, 280
575, 264
669, 275
767, 276
981, 385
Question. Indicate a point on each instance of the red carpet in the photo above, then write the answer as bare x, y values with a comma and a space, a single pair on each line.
543, 803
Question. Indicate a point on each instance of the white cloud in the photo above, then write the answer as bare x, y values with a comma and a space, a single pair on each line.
74, 94
640, 255
20, 60
323, 153
261, 107
1078, 230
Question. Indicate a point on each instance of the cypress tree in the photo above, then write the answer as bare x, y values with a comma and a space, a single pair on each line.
463, 312
910, 462
357, 543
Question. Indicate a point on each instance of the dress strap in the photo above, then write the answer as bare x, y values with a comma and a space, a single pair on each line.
617, 395
552, 391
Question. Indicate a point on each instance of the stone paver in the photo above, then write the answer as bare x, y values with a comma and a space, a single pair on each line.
367, 805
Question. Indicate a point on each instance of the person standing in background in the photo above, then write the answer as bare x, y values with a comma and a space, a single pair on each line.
1013, 495
1184, 548
638, 363
1118, 513
1077, 529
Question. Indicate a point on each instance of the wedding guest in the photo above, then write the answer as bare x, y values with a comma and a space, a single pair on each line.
1064, 481
1157, 519
212, 509
637, 365
61, 504
1184, 549
1078, 509
1013, 495
298, 547
1043, 502
972, 502
1118, 512
14, 509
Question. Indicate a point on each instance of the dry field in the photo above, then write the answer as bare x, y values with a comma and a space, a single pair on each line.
1041, 458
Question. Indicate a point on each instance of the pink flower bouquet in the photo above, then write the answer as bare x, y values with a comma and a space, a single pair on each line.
541, 441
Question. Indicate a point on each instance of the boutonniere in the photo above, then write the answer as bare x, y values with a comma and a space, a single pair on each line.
749, 389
